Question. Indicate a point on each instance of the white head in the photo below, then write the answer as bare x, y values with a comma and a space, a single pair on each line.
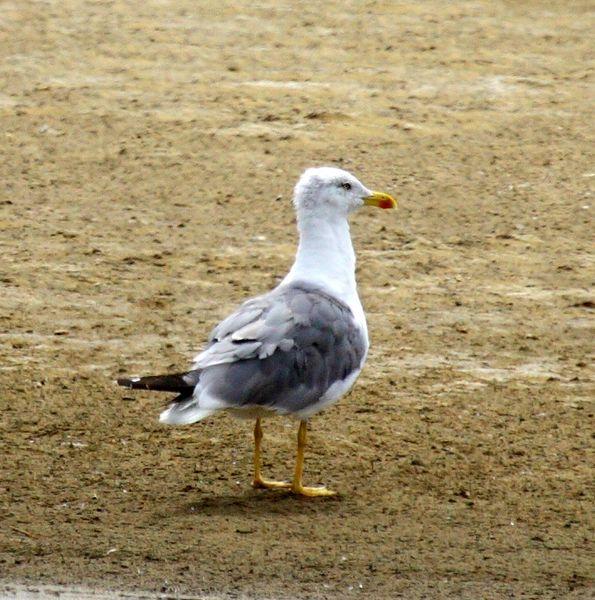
325, 192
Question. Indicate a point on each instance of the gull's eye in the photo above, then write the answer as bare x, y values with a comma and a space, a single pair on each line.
346, 185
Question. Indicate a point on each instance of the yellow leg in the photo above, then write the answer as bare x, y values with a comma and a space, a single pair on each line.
296, 485
258, 481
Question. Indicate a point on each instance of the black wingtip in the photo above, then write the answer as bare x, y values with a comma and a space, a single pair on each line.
124, 382
181, 383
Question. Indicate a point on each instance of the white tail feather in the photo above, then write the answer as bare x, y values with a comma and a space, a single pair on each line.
184, 413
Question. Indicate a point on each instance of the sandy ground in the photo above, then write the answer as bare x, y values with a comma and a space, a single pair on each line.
34, 591
148, 156
12, 591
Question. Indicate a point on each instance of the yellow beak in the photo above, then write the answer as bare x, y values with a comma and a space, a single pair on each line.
380, 200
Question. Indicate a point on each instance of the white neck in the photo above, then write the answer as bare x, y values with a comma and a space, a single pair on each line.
325, 256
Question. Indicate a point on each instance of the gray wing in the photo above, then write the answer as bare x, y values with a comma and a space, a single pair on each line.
256, 329
282, 350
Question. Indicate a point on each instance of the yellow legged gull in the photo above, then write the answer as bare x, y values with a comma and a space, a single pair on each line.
297, 349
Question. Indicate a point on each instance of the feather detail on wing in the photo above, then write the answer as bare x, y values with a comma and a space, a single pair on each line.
256, 330
283, 351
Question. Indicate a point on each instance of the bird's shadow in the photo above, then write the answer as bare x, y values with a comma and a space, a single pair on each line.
261, 502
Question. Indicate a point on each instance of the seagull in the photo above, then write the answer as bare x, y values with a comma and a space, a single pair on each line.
295, 350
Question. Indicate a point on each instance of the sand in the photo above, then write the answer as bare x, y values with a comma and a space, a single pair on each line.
149, 153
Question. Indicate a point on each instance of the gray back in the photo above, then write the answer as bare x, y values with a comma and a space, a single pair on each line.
282, 350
